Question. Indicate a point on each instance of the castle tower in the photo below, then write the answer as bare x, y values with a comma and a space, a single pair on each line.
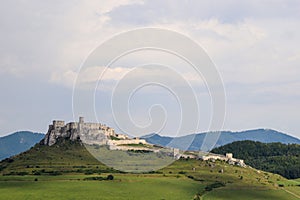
81, 120
58, 123
229, 155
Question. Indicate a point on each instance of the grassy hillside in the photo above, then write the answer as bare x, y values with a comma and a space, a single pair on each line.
61, 172
64, 157
277, 158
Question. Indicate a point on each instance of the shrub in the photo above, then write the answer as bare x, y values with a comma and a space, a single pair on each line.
54, 173
191, 177
94, 178
110, 177
214, 185
88, 172
9, 160
22, 173
36, 173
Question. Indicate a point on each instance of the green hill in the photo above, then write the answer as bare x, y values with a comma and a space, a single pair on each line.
64, 157
66, 170
283, 159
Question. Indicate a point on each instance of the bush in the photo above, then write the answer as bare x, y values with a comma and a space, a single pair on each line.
36, 173
9, 160
94, 178
99, 178
191, 177
89, 172
22, 173
54, 173
1, 168
214, 185
110, 177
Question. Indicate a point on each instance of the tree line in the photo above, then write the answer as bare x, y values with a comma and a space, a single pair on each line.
283, 159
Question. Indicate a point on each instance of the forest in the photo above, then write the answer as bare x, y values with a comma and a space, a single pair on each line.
283, 159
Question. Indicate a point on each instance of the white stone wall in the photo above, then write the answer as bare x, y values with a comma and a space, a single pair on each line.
229, 155
128, 141
122, 136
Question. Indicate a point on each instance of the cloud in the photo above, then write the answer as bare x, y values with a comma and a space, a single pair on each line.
88, 78
41, 37
253, 43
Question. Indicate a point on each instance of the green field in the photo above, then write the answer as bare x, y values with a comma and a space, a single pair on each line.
60, 172
123, 187
128, 186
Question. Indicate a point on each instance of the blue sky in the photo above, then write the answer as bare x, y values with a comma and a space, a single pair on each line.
254, 45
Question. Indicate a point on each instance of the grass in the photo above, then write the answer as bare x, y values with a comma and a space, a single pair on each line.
248, 193
114, 138
130, 186
137, 145
123, 187
131, 161
183, 179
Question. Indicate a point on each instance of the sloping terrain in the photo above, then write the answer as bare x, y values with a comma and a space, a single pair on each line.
62, 170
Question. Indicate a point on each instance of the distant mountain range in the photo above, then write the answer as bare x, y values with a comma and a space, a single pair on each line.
18, 142
21, 141
194, 142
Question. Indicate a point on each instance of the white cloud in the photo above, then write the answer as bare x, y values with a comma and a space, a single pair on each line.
253, 43
38, 38
109, 77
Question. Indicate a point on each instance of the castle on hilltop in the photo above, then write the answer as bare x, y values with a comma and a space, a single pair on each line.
100, 134
89, 133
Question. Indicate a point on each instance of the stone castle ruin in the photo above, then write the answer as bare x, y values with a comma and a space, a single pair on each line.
100, 134
88, 133
227, 158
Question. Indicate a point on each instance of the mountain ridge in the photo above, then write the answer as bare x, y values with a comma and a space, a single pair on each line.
10, 144
18, 142
226, 137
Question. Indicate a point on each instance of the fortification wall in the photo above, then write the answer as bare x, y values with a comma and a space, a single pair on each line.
58, 123
126, 148
128, 141
72, 125
91, 125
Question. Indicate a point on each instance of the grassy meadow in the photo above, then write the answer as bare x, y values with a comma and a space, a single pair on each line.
66, 170
122, 187
184, 179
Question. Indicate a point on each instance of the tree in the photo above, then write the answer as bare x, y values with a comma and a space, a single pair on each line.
110, 177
